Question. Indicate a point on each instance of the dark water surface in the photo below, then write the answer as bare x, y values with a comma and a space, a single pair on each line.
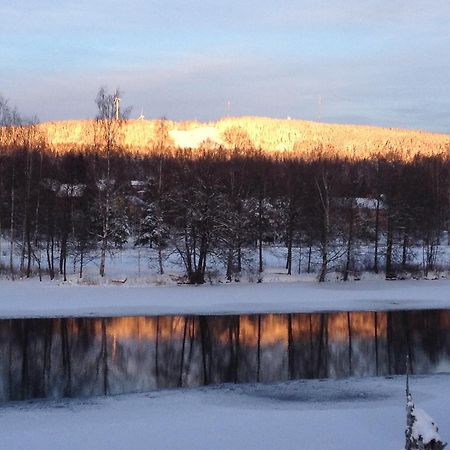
91, 356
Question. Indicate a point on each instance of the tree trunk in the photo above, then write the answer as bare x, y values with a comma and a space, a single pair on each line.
103, 248
309, 258
349, 244
160, 260
377, 232
11, 230
81, 262
389, 244
260, 239
405, 250
289, 252
229, 273
325, 203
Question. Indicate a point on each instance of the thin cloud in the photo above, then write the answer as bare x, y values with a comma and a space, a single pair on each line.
373, 61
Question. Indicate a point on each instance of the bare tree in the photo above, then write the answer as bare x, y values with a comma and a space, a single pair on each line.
109, 123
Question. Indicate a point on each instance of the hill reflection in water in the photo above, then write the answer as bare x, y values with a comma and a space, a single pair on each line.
82, 357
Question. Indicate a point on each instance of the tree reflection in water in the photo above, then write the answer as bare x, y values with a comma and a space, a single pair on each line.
84, 357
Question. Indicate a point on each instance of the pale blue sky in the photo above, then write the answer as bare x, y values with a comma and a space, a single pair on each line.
384, 62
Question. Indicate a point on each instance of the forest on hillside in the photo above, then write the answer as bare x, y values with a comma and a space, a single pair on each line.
216, 202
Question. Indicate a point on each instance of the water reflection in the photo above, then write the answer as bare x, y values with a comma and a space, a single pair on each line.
83, 357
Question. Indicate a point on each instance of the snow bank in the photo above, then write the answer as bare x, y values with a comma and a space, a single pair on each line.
349, 414
425, 427
22, 299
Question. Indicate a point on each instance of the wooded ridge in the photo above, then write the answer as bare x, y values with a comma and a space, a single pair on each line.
272, 136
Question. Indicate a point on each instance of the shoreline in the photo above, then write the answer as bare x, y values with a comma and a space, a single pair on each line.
33, 299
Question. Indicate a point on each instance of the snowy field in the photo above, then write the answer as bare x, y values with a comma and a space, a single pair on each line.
22, 299
352, 414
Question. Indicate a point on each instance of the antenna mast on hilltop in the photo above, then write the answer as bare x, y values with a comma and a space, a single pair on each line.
117, 106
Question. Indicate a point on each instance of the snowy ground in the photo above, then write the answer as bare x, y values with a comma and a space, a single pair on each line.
31, 298
353, 414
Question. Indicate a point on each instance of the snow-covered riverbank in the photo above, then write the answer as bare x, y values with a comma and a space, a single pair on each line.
351, 414
33, 299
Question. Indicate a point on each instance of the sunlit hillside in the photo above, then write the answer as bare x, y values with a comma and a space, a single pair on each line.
269, 135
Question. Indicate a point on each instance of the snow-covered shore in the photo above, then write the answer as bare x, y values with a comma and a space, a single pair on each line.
23, 299
351, 414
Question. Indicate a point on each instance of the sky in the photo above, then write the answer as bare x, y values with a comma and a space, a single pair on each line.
377, 62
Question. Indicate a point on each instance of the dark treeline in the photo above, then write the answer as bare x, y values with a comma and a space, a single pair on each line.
60, 209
